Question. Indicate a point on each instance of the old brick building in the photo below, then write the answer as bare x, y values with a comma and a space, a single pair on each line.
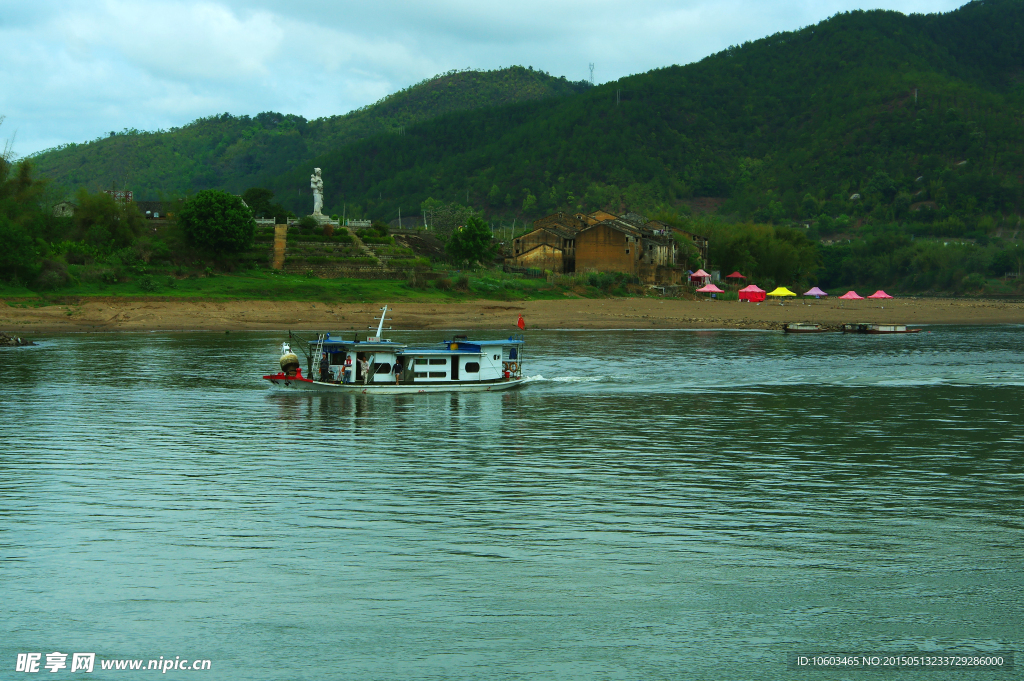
600, 242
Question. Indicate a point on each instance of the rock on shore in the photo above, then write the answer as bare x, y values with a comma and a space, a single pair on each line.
13, 341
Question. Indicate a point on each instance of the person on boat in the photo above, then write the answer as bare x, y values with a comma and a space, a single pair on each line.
398, 372
364, 364
325, 368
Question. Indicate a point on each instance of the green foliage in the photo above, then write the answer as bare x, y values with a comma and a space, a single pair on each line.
444, 217
261, 202
238, 152
217, 222
308, 224
888, 256
18, 257
105, 223
471, 243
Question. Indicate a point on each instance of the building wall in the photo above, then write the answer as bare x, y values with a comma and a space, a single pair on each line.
542, 257
531, 240
603, 249
660, 275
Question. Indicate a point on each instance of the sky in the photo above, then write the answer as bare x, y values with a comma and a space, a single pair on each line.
72, 71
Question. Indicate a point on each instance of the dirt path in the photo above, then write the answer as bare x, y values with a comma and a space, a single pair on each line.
113, 314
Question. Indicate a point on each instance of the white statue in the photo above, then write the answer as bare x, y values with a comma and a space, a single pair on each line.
317, 183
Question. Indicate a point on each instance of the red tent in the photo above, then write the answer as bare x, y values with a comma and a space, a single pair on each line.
700, 274
710, 288
851, 295
752, 294
735, 275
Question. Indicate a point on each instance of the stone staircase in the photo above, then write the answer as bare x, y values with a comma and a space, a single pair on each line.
360, 244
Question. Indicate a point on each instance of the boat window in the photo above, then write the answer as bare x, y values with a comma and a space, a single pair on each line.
421, 360
421, 374
472, 367
438, 374
495, 357
438, 362
382, 368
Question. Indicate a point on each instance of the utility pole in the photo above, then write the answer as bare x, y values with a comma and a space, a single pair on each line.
915, 95
591, 73
617, 97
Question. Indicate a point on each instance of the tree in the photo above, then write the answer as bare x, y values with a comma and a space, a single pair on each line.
261, 202
104, 222
217, 222
471, 242
18, 257
445, 217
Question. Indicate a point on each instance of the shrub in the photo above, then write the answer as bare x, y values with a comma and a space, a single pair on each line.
54, 274
443, 284
308, 224
471, 243
462, 284
18, 256
217, 222
148, 284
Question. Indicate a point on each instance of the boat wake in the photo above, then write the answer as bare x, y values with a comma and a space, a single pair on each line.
563, 379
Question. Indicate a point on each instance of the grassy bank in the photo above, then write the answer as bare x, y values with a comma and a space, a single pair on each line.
271, 285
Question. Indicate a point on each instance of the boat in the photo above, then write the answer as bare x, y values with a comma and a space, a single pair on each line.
379, 365
803, 327
878, 328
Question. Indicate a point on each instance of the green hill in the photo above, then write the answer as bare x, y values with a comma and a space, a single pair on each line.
237, 152
920, 115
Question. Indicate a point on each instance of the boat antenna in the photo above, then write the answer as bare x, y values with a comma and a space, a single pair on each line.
380, 327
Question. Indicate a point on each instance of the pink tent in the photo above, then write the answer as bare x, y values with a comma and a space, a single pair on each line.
816, 292
851, 295
752, 293
879, 294
699, 274
710, 288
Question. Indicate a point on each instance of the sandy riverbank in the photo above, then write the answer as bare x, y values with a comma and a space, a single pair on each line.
115, 314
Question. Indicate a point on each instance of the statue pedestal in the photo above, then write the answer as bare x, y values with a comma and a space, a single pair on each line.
322, 219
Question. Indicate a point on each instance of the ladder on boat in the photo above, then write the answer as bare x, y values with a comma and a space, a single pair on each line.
317, 356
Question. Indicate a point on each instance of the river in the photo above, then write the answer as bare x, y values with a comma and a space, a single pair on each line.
652, 505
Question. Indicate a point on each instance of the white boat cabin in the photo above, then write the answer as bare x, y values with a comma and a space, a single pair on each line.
451, 361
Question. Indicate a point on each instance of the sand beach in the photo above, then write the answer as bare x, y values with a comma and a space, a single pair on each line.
145, 314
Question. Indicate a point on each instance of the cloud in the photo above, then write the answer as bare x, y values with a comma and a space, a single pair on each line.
73, 70
183, 41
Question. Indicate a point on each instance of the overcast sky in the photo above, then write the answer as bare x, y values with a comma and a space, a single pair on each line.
73, 70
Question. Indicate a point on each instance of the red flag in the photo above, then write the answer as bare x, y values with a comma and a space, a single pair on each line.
521, 324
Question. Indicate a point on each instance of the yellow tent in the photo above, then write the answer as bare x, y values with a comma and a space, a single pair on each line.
781, 291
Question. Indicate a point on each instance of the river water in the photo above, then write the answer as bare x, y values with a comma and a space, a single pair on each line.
653, 505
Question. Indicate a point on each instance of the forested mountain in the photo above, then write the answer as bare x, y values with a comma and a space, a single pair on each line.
910, 112
237, 152
872, 128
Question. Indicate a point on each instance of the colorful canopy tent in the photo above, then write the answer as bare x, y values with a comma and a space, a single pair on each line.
710, 288
752, 294
735, 275
699, 274
879, 294
781, 292
851, 295
816, 292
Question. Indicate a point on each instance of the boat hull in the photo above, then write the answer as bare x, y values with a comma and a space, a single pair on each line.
306, 385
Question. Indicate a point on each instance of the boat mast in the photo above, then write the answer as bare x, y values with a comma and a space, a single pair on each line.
380, 327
